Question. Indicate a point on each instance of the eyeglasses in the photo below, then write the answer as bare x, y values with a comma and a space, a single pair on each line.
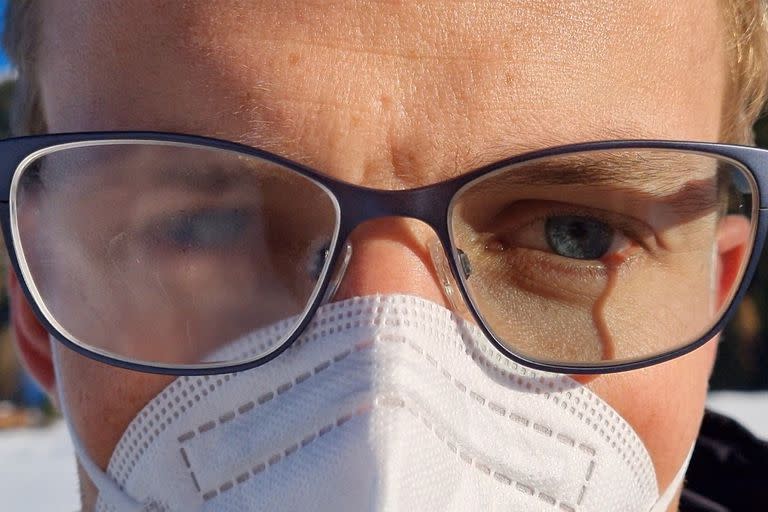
155, 251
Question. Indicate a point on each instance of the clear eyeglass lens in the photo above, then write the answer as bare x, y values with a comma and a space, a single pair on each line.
171, 254
604, 256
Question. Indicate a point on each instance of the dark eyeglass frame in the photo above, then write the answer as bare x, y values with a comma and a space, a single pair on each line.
430, 204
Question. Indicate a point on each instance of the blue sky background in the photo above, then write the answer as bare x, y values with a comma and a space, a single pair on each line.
4, 64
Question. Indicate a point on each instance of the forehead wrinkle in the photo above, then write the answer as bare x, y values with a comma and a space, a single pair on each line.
290, 112
468, 157
379, 26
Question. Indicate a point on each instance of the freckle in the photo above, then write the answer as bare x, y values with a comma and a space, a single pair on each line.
293, 59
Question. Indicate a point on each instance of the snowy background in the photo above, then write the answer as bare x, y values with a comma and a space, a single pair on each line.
38, 468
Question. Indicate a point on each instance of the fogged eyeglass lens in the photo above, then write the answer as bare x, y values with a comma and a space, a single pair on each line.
171, 254
605, 255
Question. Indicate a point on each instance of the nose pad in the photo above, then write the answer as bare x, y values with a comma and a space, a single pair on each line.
449, 286
338, 273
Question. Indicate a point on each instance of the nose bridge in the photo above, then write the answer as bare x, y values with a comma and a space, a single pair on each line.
390, 242
426, 204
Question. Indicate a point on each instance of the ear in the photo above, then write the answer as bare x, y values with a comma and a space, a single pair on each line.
733, 236
32, 341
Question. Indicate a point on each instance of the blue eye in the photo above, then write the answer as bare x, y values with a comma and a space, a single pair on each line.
204, 229
577, 237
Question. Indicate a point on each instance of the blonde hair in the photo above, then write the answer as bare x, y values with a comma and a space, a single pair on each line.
747, 27
748, 46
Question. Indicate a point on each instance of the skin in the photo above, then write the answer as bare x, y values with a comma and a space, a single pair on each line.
388, 95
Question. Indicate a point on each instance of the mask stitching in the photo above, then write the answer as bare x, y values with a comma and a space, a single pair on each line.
398, 402
359, 347
485, 468
311, 331
148, 426
275, 334
148, 420
355, 307
434, 314
590, 416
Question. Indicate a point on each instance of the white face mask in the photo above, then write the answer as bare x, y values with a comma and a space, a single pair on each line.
385, 403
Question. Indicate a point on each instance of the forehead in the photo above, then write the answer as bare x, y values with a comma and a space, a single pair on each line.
387, 93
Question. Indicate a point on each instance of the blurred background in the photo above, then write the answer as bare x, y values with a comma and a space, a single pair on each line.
22, 403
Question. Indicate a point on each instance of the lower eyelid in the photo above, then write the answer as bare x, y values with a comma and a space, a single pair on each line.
574, 281
491, 243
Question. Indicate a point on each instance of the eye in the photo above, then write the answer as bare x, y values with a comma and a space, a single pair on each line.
578, 237
208, 229
567, 232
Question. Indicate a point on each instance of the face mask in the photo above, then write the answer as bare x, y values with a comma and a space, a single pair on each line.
385, 403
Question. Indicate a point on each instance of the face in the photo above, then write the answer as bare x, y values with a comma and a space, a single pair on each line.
397, 95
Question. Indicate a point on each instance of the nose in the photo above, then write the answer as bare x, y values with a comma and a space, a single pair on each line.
391, 255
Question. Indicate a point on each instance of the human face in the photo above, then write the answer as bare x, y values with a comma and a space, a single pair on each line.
391, 95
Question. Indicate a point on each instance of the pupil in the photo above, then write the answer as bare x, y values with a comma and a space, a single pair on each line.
582, 238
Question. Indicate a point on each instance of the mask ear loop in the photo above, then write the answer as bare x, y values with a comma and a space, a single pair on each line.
108, 489
338, 273
666, 498
449, 286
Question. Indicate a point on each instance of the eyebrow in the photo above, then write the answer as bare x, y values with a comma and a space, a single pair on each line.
655, 177
599, 168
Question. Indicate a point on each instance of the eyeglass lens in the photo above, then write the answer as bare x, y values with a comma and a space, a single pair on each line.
171, 254
167, 253
599, 256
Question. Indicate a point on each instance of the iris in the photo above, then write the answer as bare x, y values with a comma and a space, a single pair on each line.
582, 238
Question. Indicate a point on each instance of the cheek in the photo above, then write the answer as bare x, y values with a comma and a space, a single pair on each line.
101, 399
664, 404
